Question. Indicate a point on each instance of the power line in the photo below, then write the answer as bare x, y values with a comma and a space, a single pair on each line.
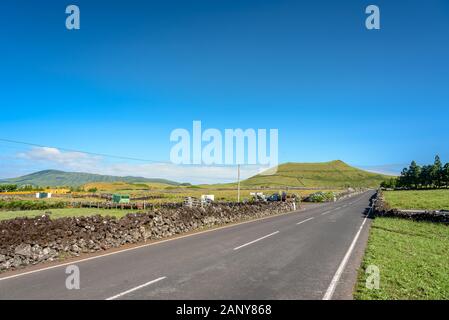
81, 151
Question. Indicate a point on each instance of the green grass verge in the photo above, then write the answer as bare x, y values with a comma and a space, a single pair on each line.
60, 213
418, 199
413, 259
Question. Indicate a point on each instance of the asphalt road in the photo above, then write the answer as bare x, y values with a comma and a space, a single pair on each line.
307, 254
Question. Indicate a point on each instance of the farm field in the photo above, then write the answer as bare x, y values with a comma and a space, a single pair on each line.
120, 186
61, 213
163, 194
418, 199
412, 257
178, 195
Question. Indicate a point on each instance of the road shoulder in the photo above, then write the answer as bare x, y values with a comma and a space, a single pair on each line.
348, 280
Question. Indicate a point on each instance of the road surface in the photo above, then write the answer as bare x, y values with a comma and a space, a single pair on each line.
307, 254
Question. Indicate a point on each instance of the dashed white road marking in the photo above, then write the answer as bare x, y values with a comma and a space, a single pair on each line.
247, 244
305, 220
326, 212
135, 288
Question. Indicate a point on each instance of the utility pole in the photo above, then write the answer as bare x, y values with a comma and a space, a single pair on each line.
238, 183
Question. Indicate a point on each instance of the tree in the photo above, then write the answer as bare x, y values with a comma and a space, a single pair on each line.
445, 174
8, 187
29, 187
404, 181
389, 184
414, 172
437, 170
425, 176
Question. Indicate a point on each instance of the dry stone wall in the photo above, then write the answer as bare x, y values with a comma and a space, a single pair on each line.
28, 241
382, 209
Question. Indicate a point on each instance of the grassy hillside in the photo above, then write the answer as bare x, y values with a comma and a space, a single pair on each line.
62, 178
333, 174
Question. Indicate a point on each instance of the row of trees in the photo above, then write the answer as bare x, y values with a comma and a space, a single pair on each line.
8, 187
15, 187
435, 175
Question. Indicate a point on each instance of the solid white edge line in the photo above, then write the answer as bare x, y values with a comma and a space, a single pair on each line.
135, 288
333, 285
305, 220
247, 244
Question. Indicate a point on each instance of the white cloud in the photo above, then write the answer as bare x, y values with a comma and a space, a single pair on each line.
54, 158
70, 160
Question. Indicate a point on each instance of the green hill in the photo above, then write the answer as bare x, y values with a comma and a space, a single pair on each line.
56, 178
333, 174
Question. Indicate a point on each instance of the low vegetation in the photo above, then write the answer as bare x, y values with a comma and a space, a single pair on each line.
30, 205
412, 257
61, 213
418, 199
321, 197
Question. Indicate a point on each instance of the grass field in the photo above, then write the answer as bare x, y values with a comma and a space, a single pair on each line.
60, 213
413, 259
418, 199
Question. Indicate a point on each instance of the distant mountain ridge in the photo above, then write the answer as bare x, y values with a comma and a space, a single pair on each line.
332, 174
56, 178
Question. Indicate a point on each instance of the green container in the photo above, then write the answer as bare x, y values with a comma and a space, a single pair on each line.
120, 198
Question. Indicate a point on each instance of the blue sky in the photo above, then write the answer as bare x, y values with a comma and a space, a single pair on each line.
136, 70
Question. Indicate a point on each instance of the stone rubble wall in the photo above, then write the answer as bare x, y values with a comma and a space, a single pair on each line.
28, 241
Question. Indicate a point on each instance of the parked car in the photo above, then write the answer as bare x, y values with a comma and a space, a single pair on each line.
274, 197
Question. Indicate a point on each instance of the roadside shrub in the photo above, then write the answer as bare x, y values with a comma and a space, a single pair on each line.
320, 197
31, 205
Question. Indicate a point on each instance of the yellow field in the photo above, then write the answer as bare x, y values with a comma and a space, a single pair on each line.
52, 191
119, 186
15, 193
